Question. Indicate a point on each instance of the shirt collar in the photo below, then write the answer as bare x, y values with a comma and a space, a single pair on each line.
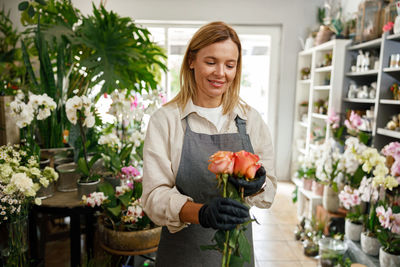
190, 108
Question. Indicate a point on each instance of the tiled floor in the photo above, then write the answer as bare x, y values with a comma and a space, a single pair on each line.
273, 238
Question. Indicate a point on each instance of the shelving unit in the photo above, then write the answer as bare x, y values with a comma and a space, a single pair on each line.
307, 201
324, 83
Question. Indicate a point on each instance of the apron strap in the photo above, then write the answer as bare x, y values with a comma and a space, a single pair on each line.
187, 123
241, 125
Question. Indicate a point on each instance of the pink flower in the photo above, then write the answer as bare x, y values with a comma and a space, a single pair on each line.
134, 103
333, 119
130, 171
396, 223
221, 162
392, 149
355, 119
163, 98
246, 164
388, 26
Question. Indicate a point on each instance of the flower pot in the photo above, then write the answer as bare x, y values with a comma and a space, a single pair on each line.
387, 259
317, 188
352, 230
129, 241
307, 184
85, 188
370, 244
330, 250
60, 161
68, 177
45, 192
14, 242
330, 199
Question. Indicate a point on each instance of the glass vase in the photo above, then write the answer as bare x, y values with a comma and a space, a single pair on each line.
15, 247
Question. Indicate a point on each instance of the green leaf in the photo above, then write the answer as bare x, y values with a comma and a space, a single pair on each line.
23, 5
126, 198
209, 247
219, 237
236, 261
107, 189
42, 2
357, 177
94, 159
233, 237
244, 247
232, 192
83, 167
115, 210
138, 190
31, 11
126, 152
396, 209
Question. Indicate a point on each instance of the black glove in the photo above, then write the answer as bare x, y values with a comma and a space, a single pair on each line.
223, 213
250, 187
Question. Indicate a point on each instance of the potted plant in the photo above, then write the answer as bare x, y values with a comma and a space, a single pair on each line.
20, 179
350, 199
123, 225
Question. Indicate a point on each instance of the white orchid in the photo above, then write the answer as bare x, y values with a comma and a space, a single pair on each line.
82, 104
109, 139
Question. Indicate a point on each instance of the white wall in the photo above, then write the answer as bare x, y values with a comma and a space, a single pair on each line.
294, 17
350, 6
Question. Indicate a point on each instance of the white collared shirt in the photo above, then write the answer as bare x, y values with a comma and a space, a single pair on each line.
161, 199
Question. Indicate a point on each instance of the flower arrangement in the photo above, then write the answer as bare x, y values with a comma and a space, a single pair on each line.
352, 166
121, 208
389, 229
388, 26
335, 127
350, 199
226, 165
20, 179
353, 125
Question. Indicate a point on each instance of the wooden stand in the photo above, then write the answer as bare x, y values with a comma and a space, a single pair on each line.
325, 216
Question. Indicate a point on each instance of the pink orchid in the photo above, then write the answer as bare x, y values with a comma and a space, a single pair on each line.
396, 223
355, 119
388, 26
130, 171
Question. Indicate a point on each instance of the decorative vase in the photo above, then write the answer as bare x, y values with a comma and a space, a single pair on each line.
85, 188
330, 250
68, 178
307, 184
324, 35
46, 192
370, 244
387, 259
330, 199
317, 188
14, 242
140, 240
352, 230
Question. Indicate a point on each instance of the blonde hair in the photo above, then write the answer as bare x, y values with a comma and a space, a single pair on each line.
207, 35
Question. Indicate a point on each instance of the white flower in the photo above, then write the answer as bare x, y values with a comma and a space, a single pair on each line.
44, 182
76, 90
94, 199
72, 116
89, 121
38, 201
23, 183
109, 139
73, 103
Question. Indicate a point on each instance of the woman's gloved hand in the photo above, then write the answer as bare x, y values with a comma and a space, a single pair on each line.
223, 213
250, 187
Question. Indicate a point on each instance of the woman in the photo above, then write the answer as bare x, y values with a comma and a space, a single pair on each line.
207, 115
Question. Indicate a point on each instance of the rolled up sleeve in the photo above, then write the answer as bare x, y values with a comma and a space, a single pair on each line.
161, 199
262, 144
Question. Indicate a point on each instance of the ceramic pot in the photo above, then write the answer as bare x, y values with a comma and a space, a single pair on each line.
370, 244
307, 184
324, 35
317, 188
352, 230
68, 177
387, 259
140, 240
45, 192
330, 199
86, 188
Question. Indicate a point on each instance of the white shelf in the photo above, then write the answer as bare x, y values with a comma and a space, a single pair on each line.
387, 132
323, 69
390, 101
391, 69
319, 116
363, 73
305, 81
359, 100
303, 151
367, 45
322, 87
394, 36
303, 124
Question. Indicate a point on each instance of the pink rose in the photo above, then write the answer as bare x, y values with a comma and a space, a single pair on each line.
221, 162
246, 164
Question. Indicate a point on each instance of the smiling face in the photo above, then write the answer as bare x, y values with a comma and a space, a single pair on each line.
215, 68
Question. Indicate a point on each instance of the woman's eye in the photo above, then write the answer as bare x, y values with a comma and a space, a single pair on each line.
230, 66
210, 63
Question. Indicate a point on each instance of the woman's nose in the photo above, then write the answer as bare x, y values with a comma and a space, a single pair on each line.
219, 70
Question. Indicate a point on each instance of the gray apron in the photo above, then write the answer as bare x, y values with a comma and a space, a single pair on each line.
195, 180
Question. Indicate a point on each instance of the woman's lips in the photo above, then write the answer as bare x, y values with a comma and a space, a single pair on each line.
216, 84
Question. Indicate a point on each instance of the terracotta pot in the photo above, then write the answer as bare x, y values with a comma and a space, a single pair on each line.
352, 230
307, 184
330, 199
387, 259
370, 244
324, 35
129, 241
317, 188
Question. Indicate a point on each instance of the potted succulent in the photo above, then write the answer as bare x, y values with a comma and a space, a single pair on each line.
123, 225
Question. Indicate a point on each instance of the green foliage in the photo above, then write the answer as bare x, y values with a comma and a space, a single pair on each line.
295, 194
119, 52
321, 15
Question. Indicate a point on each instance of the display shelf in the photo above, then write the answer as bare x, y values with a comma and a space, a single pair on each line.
394, 37
323, 69
357, 255
389, 133
320, 116
322, 87
302, 151
307, 201
359, 100
376, 43
305, 81
362, 73
303, 124
391, 70
389, 101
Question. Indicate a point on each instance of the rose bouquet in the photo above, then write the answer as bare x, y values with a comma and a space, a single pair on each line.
231, 169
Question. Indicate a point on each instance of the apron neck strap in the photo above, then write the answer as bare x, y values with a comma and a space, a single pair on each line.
241, 125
